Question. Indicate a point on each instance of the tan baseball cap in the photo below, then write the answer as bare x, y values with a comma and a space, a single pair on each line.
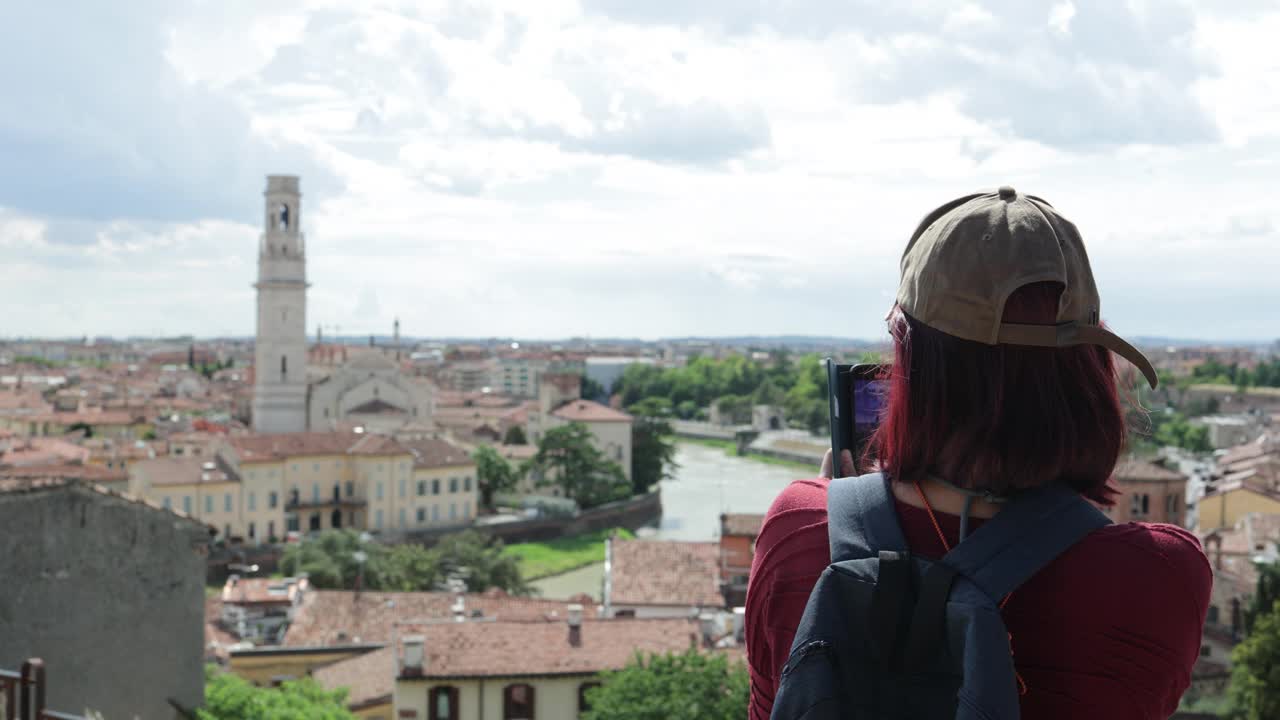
968, 256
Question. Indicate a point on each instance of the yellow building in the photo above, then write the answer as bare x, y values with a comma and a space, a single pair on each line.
270, 666
261, 487
519, 670
1232, 500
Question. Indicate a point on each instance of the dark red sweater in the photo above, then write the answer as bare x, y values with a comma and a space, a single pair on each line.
1110, 629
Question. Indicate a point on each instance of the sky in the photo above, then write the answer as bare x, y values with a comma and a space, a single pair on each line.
610, 168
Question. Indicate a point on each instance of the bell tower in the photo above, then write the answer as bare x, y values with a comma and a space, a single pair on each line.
280, 351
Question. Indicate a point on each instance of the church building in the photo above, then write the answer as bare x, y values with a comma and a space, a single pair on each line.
367, 390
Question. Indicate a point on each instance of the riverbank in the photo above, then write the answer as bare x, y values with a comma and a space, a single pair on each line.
730, 448
555, 557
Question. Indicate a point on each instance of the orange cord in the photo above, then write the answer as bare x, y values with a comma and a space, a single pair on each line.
928, 508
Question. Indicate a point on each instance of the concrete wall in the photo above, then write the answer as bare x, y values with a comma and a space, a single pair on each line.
110, 593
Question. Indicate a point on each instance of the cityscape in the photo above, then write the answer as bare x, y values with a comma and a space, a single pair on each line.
489, 426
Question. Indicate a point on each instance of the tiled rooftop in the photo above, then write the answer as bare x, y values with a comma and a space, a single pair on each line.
369, 678
665, 572
741, 524
589, 411
334, 617
507, 649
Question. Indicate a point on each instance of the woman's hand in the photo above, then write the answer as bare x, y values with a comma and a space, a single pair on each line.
847, 467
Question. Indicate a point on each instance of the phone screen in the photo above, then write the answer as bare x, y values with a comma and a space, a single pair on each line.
869, 396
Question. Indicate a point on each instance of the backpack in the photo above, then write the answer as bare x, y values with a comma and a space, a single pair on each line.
886, 634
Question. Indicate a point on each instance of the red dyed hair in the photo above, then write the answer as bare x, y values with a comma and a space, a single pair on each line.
1001, 417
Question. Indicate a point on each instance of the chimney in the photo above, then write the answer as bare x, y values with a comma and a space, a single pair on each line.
413, 662
459, 609
575, 624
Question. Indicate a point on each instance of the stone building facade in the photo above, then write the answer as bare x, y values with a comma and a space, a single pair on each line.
109, 591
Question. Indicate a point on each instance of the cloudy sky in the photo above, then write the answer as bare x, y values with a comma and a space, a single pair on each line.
616, 168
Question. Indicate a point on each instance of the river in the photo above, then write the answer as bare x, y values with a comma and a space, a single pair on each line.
707, 483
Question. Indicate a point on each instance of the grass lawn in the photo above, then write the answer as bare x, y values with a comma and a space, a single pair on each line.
540, 559
731, 448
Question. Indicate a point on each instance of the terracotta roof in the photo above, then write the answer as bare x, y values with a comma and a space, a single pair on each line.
589, 411
369, 679
278, 446
1135, 470
1246, 451
43, 450
433, 453
334, 617
741, 524
512, 649
665, 572
181, 470
372, 444
65, 471
262, 591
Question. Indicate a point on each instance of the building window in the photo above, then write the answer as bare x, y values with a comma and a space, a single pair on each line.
453, 484
168, 503
1146, 500
453, 511
517, 702
617, 453
443, 703
1205, 651
403, 482
377, 522
272, 500
252, 534
315, 492
351, 488
293, 467
315, 467
466, 483
284, 367
583, 705
271, 530
402, 523
466, 510
208, 504
435, 487
1213, 614
422, 487
422, 515
253, 504
226, 502
435, 513
379, 487
226, 531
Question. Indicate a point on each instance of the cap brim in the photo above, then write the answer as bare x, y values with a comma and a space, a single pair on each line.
1069, 334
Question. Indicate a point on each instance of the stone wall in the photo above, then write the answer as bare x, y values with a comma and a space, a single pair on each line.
109, 592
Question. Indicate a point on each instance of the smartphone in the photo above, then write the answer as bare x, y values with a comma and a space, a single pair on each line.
858, 394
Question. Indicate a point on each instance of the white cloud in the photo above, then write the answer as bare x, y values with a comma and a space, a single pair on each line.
640, 169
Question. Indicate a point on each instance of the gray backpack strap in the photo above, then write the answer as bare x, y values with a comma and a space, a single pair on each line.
1037, 526
861, 519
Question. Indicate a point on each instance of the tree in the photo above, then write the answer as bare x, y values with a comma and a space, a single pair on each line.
228, 697
479, 561
1255, 673
1265, 595
653, 448
329, 560
592, 390
691, 686
515, 436
567, 456
493, 474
